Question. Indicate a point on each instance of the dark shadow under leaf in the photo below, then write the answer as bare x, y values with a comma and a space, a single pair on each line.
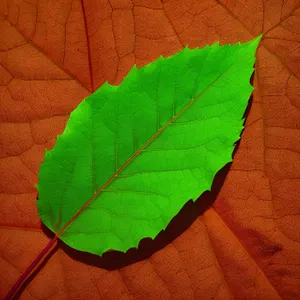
181, 222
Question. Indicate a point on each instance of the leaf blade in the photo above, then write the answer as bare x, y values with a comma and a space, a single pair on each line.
148, 159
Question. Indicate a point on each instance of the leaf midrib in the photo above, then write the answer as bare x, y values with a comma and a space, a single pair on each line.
129, 160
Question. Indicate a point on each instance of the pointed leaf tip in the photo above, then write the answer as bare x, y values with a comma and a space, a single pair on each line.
257, 40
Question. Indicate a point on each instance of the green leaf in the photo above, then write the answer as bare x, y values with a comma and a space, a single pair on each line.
132, 155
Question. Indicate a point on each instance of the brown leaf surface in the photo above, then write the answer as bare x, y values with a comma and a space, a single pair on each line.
245, 245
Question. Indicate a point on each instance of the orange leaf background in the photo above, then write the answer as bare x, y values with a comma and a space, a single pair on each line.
242, 240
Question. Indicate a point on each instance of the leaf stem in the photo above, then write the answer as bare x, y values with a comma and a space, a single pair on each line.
30, 269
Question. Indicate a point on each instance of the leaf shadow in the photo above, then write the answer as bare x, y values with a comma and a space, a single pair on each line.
179, 224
